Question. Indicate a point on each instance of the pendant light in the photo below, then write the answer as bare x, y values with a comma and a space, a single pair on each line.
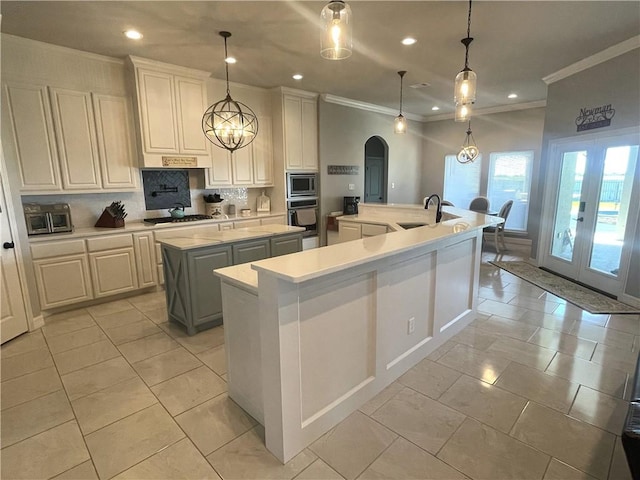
337, 42
469, 151
229, 124
465, 84
463, 113
400, 123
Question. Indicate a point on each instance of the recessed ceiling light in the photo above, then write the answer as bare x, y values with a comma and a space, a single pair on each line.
435, 108
230, 60
409, 41
133, 34
512, 95
297, 76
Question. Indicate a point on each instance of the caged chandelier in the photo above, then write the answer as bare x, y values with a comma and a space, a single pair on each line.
229, 124
465, 85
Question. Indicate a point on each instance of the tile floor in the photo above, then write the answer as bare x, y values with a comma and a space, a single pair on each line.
534, 388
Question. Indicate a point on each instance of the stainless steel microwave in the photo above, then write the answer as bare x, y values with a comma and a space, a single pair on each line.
302, 184
50, 218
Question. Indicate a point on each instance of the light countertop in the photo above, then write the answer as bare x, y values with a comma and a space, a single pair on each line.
196, 240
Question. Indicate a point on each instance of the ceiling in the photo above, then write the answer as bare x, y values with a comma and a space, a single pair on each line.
517, 43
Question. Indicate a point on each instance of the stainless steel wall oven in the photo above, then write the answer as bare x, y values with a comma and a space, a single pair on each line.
303, 212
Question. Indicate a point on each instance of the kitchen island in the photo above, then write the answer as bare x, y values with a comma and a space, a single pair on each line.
310, 337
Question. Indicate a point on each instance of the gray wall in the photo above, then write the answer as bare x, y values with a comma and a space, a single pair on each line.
343, 132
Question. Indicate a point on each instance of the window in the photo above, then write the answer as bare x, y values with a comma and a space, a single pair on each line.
461, 181
510, 179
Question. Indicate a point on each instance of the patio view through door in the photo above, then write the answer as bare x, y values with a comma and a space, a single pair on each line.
593, 205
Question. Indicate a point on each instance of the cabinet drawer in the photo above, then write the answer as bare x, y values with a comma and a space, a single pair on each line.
273, 221
369, 229
251, 251
186, 231
57, 249
110, 242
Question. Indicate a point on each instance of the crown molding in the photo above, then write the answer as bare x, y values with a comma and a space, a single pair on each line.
593, 60
167, 67
347, 102
295, 91
491, 110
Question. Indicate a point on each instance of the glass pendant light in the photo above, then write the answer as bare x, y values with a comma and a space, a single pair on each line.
463, 113
465, 85
229, 124
400, 123
469, 151
337, 38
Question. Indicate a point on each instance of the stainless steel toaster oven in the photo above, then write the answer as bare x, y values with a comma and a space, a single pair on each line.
47, 218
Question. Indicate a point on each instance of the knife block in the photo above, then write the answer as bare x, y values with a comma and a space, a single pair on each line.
107, 220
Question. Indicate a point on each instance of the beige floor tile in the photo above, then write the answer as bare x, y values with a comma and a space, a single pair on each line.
225, 377
441, 350
112, 404
550, 322
472, 336
420, 419
179, 461
543, 388
157, 315
76, 312
625, 323
119, 319
84, 471
132, 331
476, 363
537, 304
215, 423
607, 336
490, 405
55, 326
97, 377
319, 470
380, 399
81, 357
501, 326
24, 363
569, 310
149, 301
576, 443
495, 294
558, 470
109, 307
593, 375
166, 365
522, 352
599, 409
185, 391
146, 347
618, 358
563, 342
215, 359
429, 378
336, 446
123, 444
482, 452
403, 461
619, 469
23, 344
491, 307
248, 458
198, 343
36, 416
46, 454
76, 339
29, 387
523, 289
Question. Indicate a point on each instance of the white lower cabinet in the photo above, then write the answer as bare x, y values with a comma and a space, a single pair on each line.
113, 271
348, 231
143, 246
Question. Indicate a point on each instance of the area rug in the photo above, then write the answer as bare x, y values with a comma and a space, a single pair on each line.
583, 297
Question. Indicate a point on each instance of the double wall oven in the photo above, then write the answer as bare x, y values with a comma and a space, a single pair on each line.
302, 201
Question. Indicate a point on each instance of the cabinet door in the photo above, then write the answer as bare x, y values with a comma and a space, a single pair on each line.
251, 251
191, 103
263, 154
309, 134
242, 164
31, 129
62, 280
292, 132
349, 231
226, 226
220, 173
157, 112
113, 271
143, 245
285, 244
204, 287
74, 124
115, 144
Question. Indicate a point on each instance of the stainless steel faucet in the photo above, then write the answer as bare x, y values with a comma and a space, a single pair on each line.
439, 207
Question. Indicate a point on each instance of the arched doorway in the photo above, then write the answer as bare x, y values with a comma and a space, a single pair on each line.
376, 164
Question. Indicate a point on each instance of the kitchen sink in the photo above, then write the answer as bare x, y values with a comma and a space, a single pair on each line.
409, 225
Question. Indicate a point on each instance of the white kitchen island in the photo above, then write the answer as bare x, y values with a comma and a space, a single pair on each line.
318, 333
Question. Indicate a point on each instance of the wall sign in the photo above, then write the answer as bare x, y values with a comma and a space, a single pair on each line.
595, 117
179, 162
343, 169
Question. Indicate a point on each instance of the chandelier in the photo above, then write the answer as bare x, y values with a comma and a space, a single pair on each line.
400, 123
469, 151
336, 42
227, 123
465, 85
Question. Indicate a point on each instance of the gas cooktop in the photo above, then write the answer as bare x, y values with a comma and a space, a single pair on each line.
186, 218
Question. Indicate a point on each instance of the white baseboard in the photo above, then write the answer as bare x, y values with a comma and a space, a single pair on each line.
36, 323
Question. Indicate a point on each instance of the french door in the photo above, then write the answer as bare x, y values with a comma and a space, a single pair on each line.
592, 209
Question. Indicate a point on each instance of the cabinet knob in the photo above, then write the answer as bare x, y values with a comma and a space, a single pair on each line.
8, 245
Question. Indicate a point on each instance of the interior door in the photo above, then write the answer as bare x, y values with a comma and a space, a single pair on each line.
594, 205
374, 180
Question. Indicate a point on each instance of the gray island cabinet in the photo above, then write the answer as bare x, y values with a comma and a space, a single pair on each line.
193, 293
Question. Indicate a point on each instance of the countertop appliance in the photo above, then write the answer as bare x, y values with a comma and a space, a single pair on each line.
302, 184
47, 218
303, 212
186, 218
350, 205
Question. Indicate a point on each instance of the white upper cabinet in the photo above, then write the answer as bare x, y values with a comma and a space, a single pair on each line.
220, 173
242, 164
28, 127
170, 103
262, 150
296, 128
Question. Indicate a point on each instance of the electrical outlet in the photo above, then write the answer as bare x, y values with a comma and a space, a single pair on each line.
411, 325
352, 186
